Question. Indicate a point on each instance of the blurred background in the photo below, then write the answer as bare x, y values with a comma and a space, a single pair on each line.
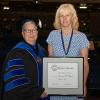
12, 12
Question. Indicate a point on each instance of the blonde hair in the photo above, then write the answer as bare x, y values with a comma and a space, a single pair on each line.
71, 9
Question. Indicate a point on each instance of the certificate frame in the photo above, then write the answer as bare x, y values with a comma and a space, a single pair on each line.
54, 78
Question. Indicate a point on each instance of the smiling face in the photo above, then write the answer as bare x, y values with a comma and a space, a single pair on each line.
29, 32
65, 18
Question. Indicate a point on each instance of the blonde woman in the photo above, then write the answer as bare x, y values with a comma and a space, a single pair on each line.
66, 40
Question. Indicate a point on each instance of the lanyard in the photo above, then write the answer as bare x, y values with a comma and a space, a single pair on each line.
66, 52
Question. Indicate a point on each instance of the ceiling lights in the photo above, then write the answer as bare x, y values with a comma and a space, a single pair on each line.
83, 6
6, 8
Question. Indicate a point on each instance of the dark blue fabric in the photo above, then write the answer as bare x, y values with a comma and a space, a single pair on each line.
41, 54
15, 83
14, 62
14, 73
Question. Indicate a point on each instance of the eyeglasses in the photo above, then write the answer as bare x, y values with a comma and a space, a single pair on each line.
30, 30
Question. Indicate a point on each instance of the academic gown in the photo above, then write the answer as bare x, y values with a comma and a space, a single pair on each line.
22, 73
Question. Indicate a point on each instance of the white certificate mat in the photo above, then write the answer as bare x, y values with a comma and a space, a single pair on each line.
63, 76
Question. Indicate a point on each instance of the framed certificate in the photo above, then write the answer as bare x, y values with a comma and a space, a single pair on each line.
63, 76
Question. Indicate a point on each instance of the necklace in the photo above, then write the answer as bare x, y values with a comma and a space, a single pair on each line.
62, 39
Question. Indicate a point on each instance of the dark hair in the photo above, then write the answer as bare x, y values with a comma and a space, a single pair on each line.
25, 20
21, 22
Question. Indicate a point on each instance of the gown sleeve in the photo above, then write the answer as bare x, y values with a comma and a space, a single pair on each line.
20, 77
